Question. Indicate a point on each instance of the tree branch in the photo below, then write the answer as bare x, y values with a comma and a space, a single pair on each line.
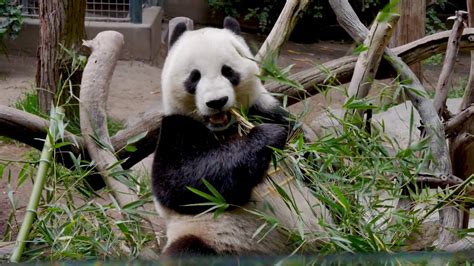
316, 79
369, 60
95, 84
283, 27
442, 164
448, 65
458, 123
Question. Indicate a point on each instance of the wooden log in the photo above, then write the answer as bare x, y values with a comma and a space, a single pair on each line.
30, 129
446, 72
284, 25
317, 79
95, 84
96, 78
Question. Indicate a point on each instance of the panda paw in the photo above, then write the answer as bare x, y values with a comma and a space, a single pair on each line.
273, 135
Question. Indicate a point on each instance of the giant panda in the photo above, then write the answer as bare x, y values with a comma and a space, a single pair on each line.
207, 72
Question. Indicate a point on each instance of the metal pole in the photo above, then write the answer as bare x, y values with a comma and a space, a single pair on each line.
136, 14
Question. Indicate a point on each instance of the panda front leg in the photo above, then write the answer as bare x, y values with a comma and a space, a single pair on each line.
188, 152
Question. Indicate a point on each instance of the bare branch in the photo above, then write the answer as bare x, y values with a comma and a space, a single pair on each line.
95, 83
448, 65
369, 60
314, 79
457, 123
30, 129
449, 216
282, 28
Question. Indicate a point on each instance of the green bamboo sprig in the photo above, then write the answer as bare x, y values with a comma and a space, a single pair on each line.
57, 115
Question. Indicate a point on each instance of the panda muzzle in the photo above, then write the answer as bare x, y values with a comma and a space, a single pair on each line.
219, 119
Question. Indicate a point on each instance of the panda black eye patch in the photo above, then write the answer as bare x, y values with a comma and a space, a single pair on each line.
192, 81
231, 75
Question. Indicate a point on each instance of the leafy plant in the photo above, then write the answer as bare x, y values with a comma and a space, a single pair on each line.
10, 26
359, 175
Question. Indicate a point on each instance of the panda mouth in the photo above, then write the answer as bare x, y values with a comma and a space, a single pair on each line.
219, 121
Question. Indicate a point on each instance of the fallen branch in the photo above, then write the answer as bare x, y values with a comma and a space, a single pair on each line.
94, 91
95, 84
438, 181
468, 97
316, 79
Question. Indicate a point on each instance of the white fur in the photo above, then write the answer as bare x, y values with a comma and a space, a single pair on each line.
207, 50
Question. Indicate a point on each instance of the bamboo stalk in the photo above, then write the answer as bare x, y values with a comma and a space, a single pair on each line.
41, 175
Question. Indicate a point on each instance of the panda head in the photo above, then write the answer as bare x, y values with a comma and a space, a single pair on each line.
207, 72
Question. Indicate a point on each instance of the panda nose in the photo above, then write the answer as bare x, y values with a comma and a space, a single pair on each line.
218, 103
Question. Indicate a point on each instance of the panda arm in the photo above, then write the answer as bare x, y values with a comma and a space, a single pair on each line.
188, 152
272, 114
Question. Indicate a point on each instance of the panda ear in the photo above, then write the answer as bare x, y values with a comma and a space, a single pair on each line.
232, 24
177, 31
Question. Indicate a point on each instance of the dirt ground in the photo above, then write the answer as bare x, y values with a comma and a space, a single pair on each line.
135, 88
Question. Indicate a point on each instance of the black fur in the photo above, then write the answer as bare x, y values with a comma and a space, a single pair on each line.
189, 245
217, 103
178, 30
231, 75
189, 152
232, 24
275, 114
191, 82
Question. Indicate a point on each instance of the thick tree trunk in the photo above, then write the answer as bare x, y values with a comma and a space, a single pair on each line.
61, 24
410, 27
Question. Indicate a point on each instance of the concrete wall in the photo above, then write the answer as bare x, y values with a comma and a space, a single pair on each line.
197, 10
142, 41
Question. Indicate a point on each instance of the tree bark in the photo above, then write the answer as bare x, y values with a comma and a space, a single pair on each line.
450, 215
95, 85
61, 24
410, 27
368, 61
316, 79
282, 29
442, 87
468, 97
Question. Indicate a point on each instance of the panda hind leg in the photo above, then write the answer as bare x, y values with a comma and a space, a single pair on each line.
189, 245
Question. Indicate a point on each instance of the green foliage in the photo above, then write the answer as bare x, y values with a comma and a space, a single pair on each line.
434, 60
10, 21
433, 23
73, 221
358, 175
